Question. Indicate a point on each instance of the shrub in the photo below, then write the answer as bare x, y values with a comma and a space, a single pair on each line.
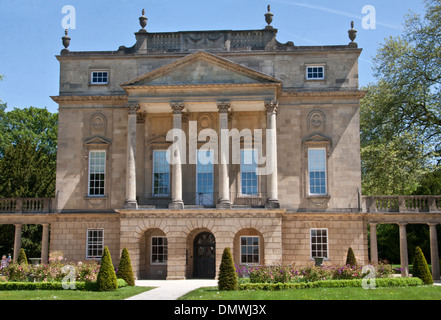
391, 282
421, 268
79, 285
22, 259
125, 268
350, 258
106, 279
227, 273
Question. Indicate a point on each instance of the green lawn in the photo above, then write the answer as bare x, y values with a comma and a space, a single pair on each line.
390, 293
119, 294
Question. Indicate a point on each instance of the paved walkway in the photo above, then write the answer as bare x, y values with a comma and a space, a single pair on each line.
169, 289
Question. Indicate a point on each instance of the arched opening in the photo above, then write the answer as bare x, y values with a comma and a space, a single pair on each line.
153, 255
204, 256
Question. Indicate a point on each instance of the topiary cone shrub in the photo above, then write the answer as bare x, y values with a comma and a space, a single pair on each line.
22, 259
227, 273
350, 258
125, 268
421, 268
106, 279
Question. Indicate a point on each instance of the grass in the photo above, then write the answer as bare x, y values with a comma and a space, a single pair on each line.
119, 294
390, 293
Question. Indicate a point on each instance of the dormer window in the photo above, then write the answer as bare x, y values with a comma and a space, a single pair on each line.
99, 77
315, 73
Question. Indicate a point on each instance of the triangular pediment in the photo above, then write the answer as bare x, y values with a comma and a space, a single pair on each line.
96, 141
201, 68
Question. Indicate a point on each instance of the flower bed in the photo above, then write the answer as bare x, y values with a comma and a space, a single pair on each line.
293, 274
55, 270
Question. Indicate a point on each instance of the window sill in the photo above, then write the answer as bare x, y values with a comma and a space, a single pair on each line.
89, 197
318, 196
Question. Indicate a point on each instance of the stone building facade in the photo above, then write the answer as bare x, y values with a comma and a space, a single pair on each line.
298, 105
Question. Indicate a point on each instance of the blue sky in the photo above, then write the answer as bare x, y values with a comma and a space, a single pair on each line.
31, 31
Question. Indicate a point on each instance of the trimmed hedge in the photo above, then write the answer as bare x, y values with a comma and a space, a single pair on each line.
106, 278
55, 285
381, 282
227, 273
125, 268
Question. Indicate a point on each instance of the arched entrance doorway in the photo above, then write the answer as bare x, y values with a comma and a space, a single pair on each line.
204, 256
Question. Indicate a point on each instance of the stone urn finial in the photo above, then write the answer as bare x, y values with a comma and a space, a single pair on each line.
352, 35
269, 18
66, 40
143, 20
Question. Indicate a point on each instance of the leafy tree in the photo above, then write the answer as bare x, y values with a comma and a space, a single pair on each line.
106, 279
125, 268
227, 274
27, 171
408, 68
28, 146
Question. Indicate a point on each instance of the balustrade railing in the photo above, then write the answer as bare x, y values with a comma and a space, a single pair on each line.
26, 205
402, 204
207, 200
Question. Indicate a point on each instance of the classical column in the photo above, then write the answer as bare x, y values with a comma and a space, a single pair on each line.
131, 155
373, 242
271, 152
223, 201
403, 250
17, 241
434, 256
45, 244
176, 187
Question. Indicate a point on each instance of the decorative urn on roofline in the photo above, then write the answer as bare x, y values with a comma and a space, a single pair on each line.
269, 18
66, 41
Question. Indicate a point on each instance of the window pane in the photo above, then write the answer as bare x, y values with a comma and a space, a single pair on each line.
161, 173
315, 72
95, 242
317, 171
249, 249
99, 77
159, 250
319, 243
97, 167
248, 169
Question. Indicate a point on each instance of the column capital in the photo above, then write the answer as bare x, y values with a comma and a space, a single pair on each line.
223, 106
132, 107
271, 106
177, 107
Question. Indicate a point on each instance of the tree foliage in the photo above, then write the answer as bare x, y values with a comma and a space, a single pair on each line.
125, 268
400, 116
408, 68
28, 146
106, 279
420, 267
227, 274
350, 258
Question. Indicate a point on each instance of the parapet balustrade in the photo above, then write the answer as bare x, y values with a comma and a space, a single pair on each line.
402, 204
26, 205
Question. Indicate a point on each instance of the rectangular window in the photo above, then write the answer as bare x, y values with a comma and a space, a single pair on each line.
315, 73
161, 174
317, 171
248, 172
95, 243
97, 172
249, 249
204, 177
99, 77
319, 243
159, 250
